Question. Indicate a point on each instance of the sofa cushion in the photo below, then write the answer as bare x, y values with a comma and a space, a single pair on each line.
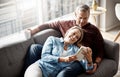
12, 58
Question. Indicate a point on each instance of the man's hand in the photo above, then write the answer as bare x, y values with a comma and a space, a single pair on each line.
27, 34
29, 31
93, 70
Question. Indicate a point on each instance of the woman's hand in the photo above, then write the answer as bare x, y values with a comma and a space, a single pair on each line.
87, 52
72, 58
68, 58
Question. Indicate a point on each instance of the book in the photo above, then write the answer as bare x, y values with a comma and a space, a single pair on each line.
79, 54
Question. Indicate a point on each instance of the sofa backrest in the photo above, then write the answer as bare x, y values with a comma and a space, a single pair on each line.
41, 37
12, 58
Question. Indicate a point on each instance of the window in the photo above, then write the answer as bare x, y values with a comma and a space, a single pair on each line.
16, 15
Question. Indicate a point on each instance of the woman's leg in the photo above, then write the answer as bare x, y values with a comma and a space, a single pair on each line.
33, 70
71, 71
33, 54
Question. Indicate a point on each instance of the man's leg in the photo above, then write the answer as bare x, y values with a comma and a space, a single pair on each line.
71, 71
33, 54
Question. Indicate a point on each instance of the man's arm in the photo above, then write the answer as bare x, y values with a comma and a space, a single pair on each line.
100, 48
61, 26
99, 44
43, 27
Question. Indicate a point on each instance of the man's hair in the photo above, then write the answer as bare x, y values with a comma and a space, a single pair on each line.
83, 8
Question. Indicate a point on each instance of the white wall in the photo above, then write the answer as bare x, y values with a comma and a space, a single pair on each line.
108, 20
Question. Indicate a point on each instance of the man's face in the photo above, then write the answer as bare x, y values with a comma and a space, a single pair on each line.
82, 18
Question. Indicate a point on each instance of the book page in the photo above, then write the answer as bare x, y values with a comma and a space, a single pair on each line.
79, 54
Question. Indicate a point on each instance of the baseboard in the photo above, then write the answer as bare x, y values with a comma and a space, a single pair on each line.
110, 27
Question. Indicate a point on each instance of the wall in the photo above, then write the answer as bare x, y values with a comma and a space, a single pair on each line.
108, 20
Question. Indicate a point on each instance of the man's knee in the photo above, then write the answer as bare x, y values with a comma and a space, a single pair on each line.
34, 47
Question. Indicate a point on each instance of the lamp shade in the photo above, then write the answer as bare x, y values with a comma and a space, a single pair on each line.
117, 10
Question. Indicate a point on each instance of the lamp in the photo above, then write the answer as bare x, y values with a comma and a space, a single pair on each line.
94, 5
117, 12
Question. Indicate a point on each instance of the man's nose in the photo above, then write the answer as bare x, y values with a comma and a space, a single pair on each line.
82, 20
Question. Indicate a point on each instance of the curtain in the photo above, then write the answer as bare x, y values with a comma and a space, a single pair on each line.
16, 15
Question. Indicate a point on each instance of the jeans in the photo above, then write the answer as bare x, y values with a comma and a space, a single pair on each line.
33, 54
72, 71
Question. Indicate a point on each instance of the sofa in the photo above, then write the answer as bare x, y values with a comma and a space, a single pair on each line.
13, 50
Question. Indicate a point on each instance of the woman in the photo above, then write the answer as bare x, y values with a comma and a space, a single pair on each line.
58, 54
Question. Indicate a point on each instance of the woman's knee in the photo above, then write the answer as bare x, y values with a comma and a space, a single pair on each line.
33, 71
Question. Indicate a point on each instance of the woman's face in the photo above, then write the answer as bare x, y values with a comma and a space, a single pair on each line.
72, 36
82, 18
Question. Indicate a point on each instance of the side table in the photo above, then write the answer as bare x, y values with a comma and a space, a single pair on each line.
95, 13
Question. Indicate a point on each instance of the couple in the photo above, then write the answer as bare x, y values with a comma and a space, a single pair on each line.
58, 57
92, 37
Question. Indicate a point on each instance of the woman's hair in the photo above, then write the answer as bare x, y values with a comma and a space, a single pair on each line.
81, 37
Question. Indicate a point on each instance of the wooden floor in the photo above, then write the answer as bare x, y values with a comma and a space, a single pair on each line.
110, 35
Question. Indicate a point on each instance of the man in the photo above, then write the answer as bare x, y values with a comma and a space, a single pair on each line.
92, 36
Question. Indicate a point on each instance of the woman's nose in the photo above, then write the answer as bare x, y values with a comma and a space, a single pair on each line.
74, 37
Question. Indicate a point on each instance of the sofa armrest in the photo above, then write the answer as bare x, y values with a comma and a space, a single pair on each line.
109, 65
111, 50
41, 37
105, 69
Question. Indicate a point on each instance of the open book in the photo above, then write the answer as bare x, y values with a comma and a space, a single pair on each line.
79, 54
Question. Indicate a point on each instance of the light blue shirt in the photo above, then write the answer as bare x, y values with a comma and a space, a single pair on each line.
52, 50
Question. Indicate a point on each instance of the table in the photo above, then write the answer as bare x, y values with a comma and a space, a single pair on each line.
95, 13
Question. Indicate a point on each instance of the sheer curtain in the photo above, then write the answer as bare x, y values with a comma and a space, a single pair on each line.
16, 15
56, 8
